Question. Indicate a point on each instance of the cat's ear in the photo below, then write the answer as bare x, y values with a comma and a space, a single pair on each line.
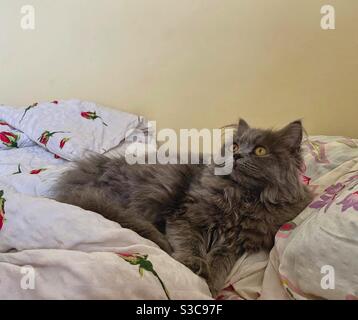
292, 135
242, 127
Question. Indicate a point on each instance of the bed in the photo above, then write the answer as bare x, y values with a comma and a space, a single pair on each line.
51, 250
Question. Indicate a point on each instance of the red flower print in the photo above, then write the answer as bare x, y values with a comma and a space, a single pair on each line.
305, 180
63, 142
44, 138
288, 226
56, 156
228, 293
55, 102
126, 255
144, 265
2, 209
46, 135
9, 139
91, 115
37, 171
285, 230
88, 115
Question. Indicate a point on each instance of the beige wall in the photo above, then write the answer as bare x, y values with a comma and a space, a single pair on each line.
188, 63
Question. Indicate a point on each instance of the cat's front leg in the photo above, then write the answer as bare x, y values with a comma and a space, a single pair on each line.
188, 246
220, 261
146, 230
253, 239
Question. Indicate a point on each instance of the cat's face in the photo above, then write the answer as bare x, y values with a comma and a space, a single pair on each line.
265, 157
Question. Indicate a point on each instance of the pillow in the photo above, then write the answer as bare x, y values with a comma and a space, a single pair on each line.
322, 154
315, 254
12, 138
69, 128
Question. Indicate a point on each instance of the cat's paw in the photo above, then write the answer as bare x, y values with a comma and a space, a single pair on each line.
213, 287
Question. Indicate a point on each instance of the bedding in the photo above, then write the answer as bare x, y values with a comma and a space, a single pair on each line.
69, 128
73, 253
12, 138
77, 254
316, 255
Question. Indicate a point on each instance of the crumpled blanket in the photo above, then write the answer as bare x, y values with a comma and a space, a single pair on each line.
51, 250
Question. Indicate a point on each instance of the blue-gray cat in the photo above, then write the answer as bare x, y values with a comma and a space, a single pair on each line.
203, 220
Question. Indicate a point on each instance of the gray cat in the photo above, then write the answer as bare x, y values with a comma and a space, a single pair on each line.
203, 220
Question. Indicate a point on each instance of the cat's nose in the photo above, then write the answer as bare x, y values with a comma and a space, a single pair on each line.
237, 156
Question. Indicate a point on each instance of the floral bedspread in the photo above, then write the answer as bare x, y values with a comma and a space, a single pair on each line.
316, 255
51, 250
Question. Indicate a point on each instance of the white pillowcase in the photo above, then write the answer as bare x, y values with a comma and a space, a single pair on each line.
69, 128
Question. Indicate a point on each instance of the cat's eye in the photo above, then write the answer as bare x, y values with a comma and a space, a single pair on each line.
234, 147
260, 151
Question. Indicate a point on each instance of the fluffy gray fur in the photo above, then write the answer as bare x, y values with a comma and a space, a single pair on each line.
203, 220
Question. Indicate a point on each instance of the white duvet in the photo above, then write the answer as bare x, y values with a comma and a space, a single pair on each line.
51, 250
